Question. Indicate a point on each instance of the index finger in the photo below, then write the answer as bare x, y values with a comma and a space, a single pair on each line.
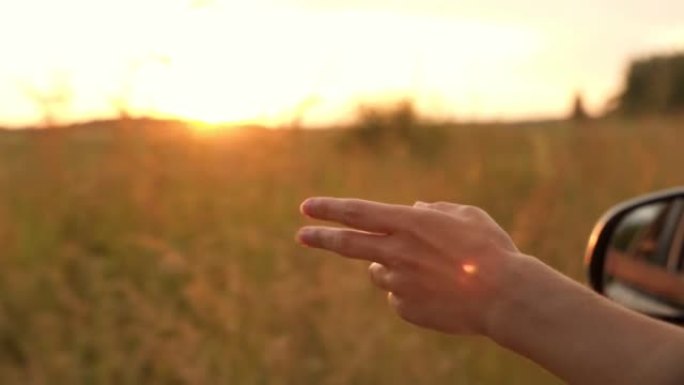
360, 214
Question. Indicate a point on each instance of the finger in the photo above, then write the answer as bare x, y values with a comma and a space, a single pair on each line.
382, 277
348, 243
360, 214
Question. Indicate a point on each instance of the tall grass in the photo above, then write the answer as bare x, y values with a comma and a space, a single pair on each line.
143, 255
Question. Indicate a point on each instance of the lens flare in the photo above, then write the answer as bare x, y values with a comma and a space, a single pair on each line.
469, 268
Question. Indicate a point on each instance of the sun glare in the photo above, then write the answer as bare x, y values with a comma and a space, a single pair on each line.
469, 268
225, 67
204, 129
275, 62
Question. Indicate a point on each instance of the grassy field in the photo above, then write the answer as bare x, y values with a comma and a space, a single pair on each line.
143, 255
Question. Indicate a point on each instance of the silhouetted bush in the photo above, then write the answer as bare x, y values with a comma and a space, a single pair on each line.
397, 127
653, 85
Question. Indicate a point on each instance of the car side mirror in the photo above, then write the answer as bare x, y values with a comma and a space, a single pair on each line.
635, 255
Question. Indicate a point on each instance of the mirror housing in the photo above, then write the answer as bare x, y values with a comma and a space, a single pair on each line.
635, 255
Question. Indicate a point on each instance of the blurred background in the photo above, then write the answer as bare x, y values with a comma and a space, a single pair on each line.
154, 154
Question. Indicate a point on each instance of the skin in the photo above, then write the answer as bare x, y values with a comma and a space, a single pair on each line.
451, 268
652, 278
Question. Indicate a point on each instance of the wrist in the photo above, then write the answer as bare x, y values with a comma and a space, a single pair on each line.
511, 294
576, 334
530, 294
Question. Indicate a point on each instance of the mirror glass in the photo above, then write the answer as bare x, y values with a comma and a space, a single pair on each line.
644, 260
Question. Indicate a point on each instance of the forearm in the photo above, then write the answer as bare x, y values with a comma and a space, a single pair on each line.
580, 336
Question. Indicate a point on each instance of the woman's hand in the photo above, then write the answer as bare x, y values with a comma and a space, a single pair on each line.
452, 268
444, 265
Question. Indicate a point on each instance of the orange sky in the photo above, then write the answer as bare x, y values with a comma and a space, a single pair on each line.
270, 61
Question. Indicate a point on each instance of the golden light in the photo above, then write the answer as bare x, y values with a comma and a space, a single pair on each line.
204, 129
274, 62
263, 62
469, 268
258, 64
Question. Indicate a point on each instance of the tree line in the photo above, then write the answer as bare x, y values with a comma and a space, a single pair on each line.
653, 85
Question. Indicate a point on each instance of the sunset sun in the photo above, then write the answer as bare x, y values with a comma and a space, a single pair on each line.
274, 62
225, 67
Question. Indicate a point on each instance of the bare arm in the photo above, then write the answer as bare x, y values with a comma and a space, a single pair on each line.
452, 268
582, 337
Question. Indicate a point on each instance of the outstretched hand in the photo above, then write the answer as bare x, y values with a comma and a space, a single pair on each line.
451, 268
443, 265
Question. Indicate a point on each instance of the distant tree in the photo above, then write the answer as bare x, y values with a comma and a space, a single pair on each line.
653, 85
579, 113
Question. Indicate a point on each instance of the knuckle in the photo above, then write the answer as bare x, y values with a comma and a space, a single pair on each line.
382, 278
421, 217
389, 281
385, 282
373, 268
471, 211
466, 210
426, 221
420, 220
444, 206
